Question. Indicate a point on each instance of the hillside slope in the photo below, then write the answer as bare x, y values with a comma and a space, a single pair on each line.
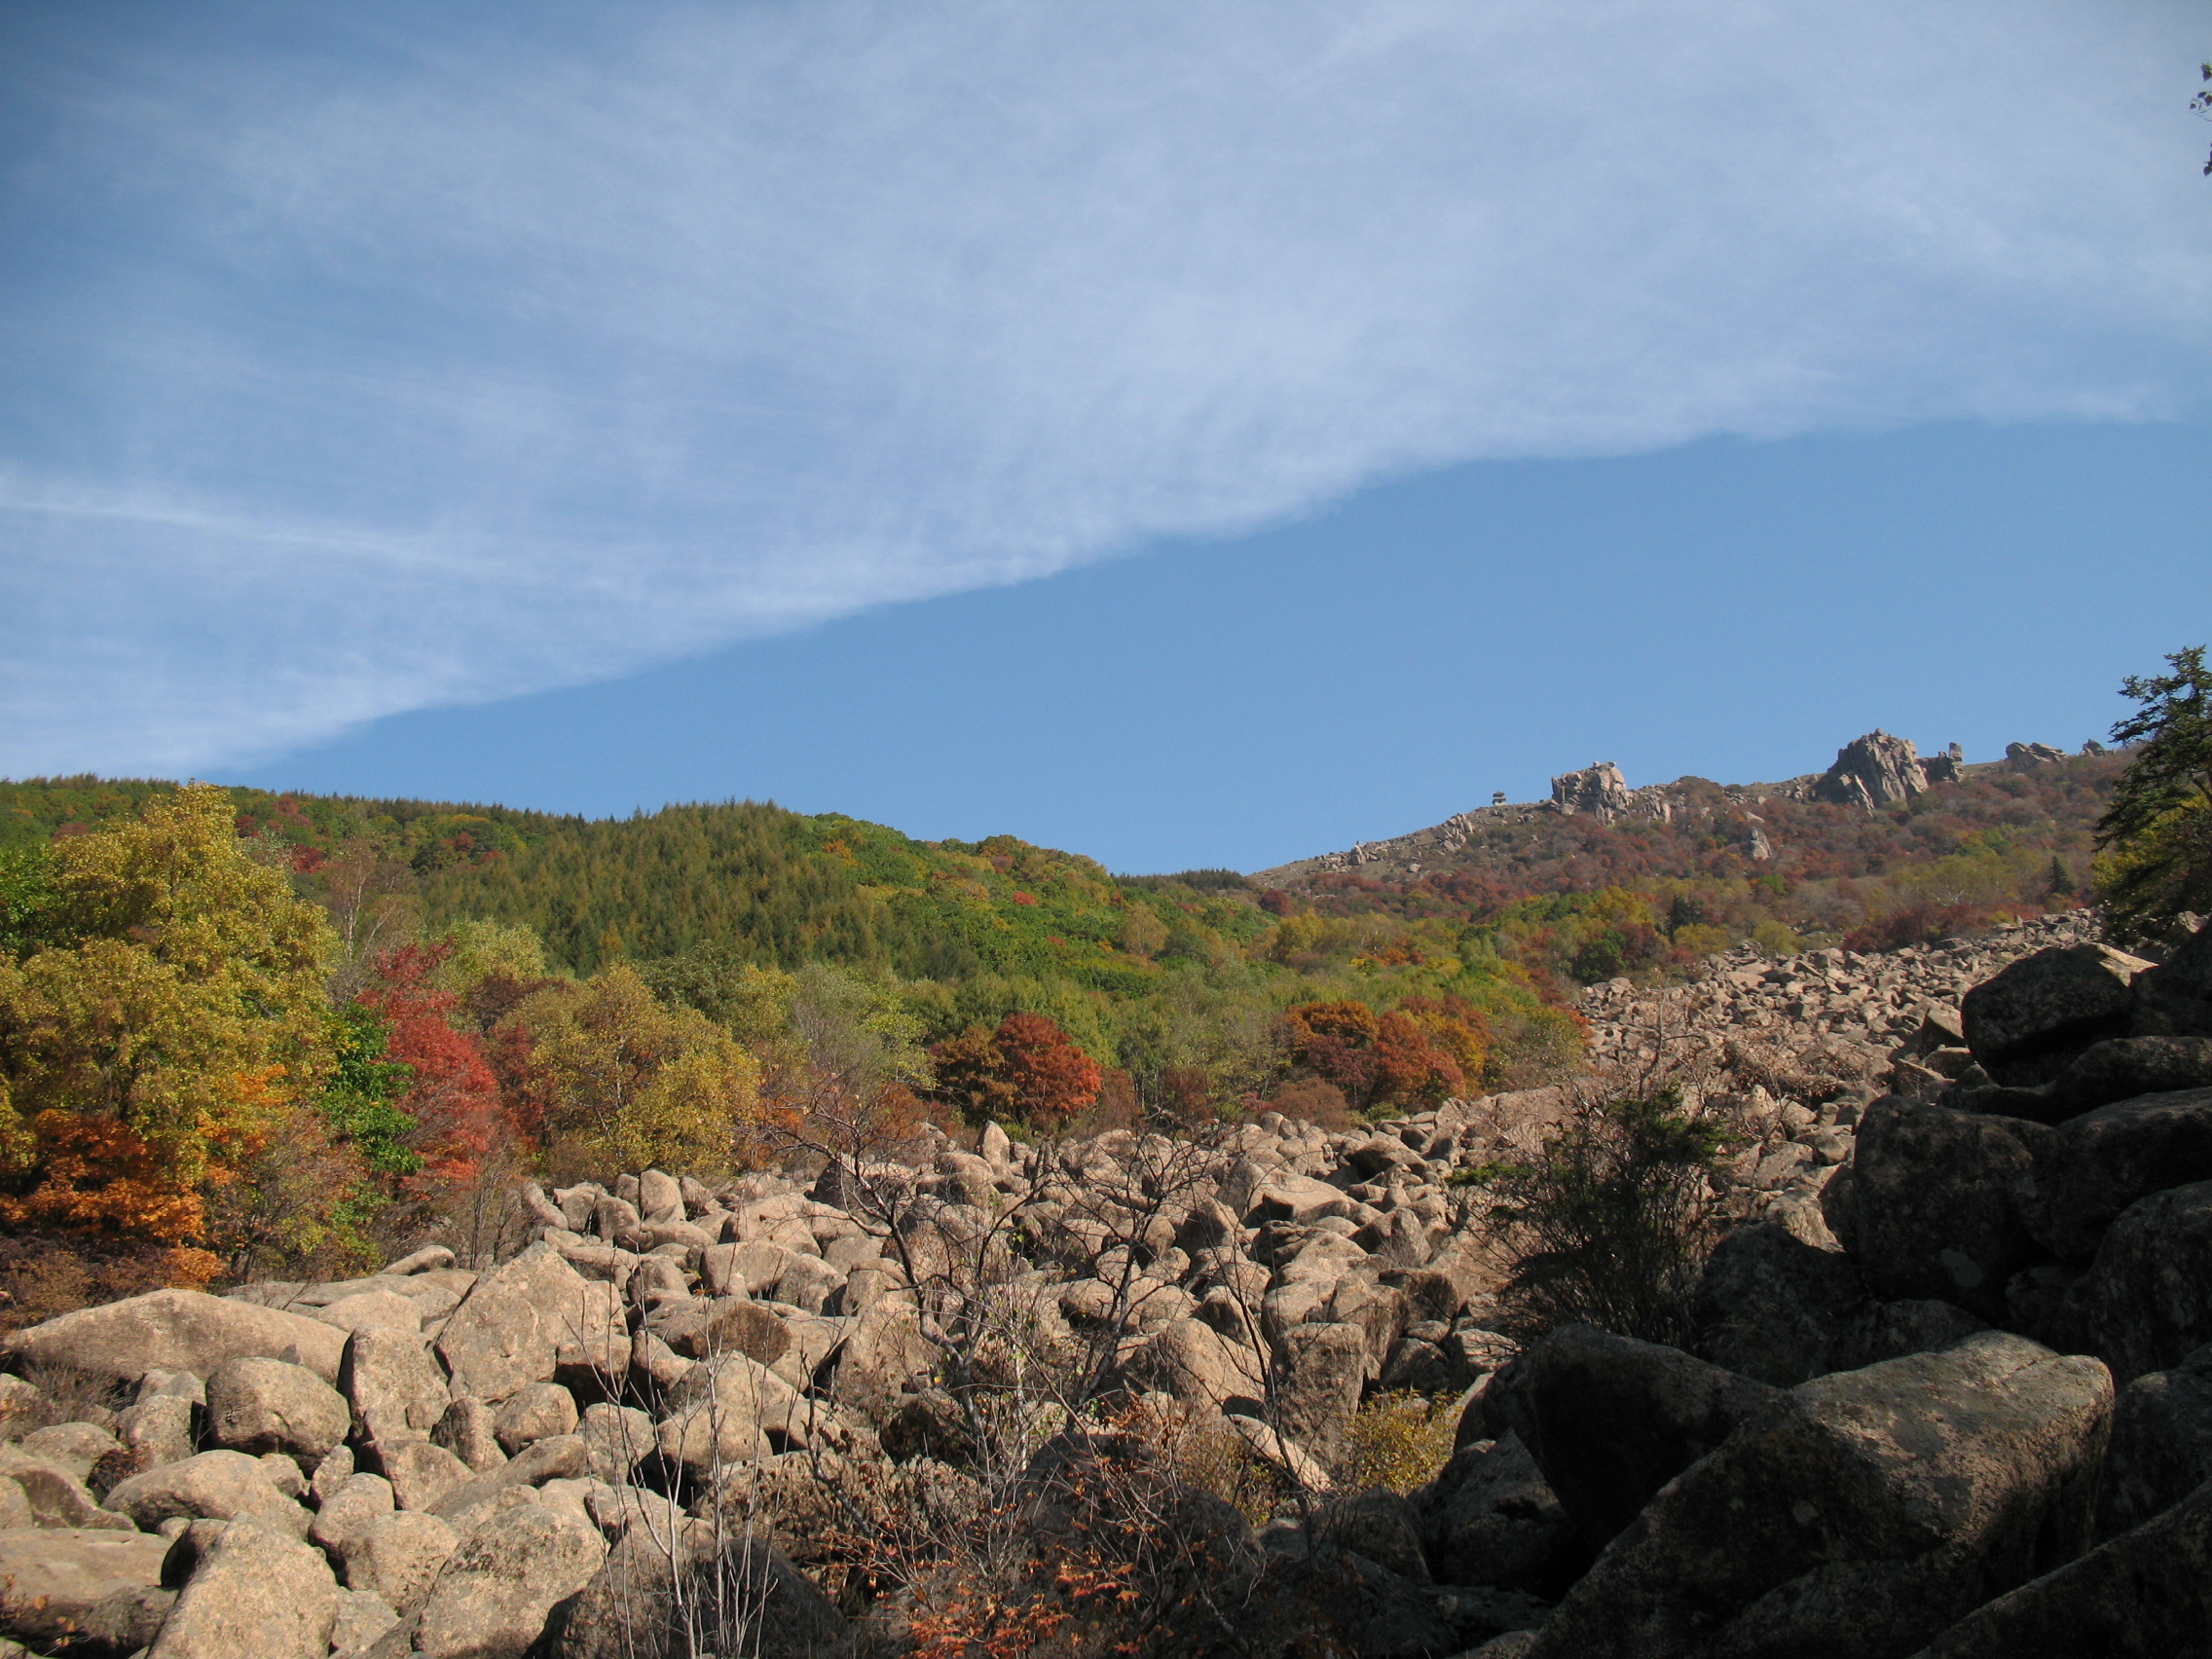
1603, 879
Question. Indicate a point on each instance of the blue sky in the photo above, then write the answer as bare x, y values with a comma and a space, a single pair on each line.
1190, 435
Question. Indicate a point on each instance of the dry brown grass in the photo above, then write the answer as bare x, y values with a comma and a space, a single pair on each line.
45, 1276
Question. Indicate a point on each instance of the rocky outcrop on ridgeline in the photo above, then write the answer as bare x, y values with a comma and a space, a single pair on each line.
1947, 1393
1597, 808
1872, 772
1598, 789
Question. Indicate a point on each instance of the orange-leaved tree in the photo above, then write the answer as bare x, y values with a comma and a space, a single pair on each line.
1419, 1052
1027, 1071
167, 1015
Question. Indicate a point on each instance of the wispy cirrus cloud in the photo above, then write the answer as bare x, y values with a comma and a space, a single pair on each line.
360, 372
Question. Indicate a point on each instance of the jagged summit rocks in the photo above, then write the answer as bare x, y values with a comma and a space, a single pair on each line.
1872, 772
1598, 789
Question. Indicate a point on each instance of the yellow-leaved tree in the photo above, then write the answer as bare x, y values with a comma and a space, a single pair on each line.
634, 1082
163, 1015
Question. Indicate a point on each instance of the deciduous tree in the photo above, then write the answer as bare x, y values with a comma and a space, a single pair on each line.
173, 1016
634, 1083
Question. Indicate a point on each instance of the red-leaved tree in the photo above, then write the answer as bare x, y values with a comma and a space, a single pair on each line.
1028, 1070
455, 1097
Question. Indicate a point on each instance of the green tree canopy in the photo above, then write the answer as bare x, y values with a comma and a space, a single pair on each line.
170, 997
2156, 834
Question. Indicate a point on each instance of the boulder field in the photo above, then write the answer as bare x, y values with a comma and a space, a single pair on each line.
1950, 1390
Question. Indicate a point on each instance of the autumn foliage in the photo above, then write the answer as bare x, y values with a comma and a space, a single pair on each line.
453, 1096
1423, 1050
1027, 1071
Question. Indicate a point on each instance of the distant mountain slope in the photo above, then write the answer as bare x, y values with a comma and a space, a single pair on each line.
1603, 881
784, 887
1730, 858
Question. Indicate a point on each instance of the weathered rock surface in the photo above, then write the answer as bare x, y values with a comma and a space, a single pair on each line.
1488, 1518
392, 1385
53, 1494
253, 1592
1865, 1515
348, 1512
53, 1578
2092, 1168
398, 1557
1610, 1420
2161, 1444
1322, 1370
494, 1591
2147, 1300
1781, 1310
630, 1609
176, 1330
214, 1486
1933, 1206
533, 1413
260, 1406
1872, 772
2144, 1594
2030, 1021
526, 1322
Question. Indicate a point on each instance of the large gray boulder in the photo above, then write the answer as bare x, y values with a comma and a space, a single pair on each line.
391, 1385
1610, 1420
1775, 1309
1781, 1311
1488, 1518
51, 1579
560, 1458
423, 1473
882, 1353
536, 1319
54, 1492
2121, 1068
719, 1416
631, 1608
176, 1330
161, 1427
1199, 1366
349, 1511
2175, 998
2094, 1165
253, 1591
703, 1329
2147, 1300
2161, 1444
468, 1429
1931, 1204
213, 1486
534, 1413
2031, 1020
75, 1446
398, 1558
1866, 1513
260, 1406
494, 1591
2144, 1594
1320, 1371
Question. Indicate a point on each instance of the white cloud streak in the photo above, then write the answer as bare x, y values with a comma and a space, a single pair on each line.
373, 374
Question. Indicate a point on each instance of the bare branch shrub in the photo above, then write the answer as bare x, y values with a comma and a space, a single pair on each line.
1612, 1219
